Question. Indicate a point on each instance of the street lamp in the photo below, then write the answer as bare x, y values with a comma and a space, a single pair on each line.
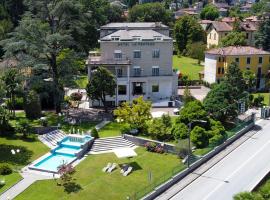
189, 143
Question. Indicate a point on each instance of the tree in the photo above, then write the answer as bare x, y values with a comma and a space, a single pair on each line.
150, 12
196, 50
158, 130
250, 79
219, 102
234, 77
101, 84
180, 131
262, 36
234, 39
192, 111
198, 136
12, 80
209, 12
5, 127
115, 14
32, 105
187, 97
135, 113
248, 196
166, 120
187, 30
47, 29
24, 127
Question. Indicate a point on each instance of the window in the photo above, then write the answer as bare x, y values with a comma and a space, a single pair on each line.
214, 36
219, 69
260, 60
137, 54
122, 89
155, 53
137, 88
137, 71
117, 54
237, 60
247, 35
223, 59
158, 38
222, 70
115, 38
248, 60
210, 36
119, 72
137, 38
155, 71
219, 59
155, 88
248, 68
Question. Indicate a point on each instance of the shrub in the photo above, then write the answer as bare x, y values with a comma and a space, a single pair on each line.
18, 104
5, 169
94, 133
32, 105
24, 128
159, 149
158, 130
216, 140
199, 137
167, 121
44, 121
258, 101
150, 146
180, 131
125, 129
76, 96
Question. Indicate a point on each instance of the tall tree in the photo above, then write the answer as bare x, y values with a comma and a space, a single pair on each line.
209, 12
150, 12
12, 80
250, 79
43, 33
262, 36
187, 30
101, 84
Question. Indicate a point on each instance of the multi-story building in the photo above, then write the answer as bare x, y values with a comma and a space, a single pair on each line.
248, 58
140, 57
219, 29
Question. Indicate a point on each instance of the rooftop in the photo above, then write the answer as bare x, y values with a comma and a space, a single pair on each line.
130, 35
222, 26
248, 26
135, 25
237, 51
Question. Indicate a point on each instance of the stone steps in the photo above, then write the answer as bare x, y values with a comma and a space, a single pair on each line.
108, 144
51, 138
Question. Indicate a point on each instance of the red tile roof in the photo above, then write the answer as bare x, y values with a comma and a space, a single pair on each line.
237, 50
222, 26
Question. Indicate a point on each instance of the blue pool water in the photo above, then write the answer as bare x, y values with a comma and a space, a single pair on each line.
65, 153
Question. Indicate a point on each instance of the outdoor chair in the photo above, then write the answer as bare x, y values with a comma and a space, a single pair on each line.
112, 167
124, 169
107, 167
127, 172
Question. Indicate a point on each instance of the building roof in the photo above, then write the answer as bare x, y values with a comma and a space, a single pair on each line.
221, 26
252, 18
237, 51
228, 19
221, 5
248, 26
135, 25
204, 21
129, 35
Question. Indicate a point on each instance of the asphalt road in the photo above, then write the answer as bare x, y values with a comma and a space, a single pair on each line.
239, 171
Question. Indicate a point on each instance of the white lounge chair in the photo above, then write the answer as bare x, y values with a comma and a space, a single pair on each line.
107, 167
112, 167
128, 171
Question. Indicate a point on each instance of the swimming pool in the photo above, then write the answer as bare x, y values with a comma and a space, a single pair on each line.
68, 150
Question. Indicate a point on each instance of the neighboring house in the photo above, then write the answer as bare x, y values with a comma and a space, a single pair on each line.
205, 23
246, 8
140, 57
228, 20
216, 31
222, 8
185, 11
249, 28
248, 58
119, 4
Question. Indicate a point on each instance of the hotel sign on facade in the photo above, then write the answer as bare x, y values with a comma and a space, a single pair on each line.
136, 44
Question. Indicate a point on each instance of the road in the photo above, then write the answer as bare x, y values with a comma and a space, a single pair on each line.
239, 171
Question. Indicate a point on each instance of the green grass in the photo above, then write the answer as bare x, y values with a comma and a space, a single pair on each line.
81, 81
10, 180
111, 129
265, 95
95, 184
187, 66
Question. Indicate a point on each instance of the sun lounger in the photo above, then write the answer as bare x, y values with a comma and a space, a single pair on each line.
127, 172
112, 168
107, 167
124, 169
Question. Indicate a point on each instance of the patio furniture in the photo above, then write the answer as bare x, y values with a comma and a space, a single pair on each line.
107, 167
112, 167
128, 171
124, 168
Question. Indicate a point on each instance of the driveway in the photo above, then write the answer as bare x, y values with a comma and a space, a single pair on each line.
199, 93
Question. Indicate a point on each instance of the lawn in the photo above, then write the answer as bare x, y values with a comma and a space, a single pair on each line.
92, 183
265, 95
81, 81
110, 130
187, 66
10, 180
30, 149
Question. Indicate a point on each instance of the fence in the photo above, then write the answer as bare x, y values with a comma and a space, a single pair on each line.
164, 182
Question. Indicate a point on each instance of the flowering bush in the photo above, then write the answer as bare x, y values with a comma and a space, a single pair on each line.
76, 96
153, 147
